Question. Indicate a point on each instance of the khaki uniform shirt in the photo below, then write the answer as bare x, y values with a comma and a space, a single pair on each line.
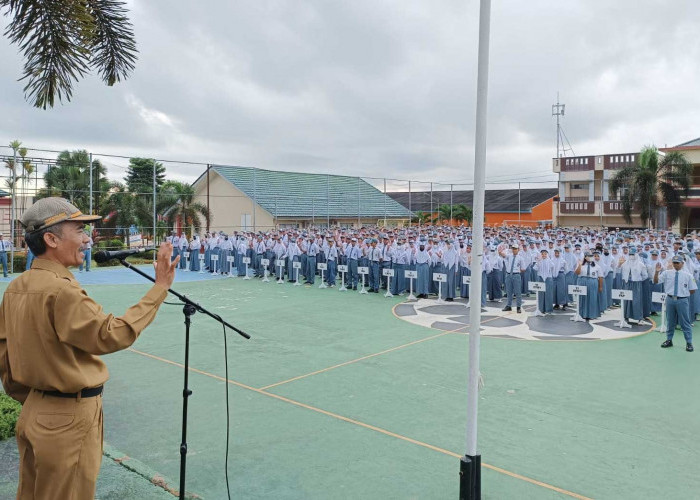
51, 331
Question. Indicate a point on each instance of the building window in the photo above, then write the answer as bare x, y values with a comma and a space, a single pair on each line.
600, 160
579, 186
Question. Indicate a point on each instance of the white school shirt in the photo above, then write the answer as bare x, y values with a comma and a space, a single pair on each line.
590, 271
686, 282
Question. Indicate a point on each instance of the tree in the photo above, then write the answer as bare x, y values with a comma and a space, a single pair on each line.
139, 176
120, 209
70, 179
651, 183
61, 40
444, 213
177, 201
420, 217
462, 213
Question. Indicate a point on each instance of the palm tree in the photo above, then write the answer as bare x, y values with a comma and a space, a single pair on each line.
178, 205
421, 217
653, 182
462, 213
444, 213
70, 178
26, 175
120, 210
61, 41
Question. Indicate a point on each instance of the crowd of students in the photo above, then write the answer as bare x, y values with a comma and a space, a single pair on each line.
513, 256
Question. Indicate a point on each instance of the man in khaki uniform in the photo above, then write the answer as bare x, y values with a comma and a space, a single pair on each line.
51, 334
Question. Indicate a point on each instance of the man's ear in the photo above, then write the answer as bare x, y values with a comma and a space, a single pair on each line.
51, 240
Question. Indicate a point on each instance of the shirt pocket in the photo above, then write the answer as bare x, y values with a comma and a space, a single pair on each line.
54, 421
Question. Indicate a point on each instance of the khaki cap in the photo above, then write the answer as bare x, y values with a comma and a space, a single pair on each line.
51, 211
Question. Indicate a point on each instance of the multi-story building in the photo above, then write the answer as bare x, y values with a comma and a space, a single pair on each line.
584, 191
690, 219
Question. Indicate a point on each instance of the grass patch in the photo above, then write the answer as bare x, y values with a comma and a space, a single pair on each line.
9, 413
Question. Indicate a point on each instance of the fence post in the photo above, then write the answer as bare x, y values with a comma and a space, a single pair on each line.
154, 201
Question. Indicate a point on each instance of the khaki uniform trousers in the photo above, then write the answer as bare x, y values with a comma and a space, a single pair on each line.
60, 447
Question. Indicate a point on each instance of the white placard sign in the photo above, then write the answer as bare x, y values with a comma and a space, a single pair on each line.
201, 256
388, 272
187, 255
230, 259
279, 263
215, 258
246, 260
440, 277
322, 266
658, 297
622, 294
536, 286
264, 262
342, 268
363, 270
466, 280
411, 274
578, 290
296, 265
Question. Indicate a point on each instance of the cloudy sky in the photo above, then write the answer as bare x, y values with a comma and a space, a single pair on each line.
379, 88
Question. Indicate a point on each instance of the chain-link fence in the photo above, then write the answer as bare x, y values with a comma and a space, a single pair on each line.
141, 202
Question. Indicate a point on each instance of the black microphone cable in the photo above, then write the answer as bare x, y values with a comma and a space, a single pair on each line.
228, 409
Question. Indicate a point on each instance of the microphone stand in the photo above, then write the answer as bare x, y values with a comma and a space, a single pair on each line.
188, 310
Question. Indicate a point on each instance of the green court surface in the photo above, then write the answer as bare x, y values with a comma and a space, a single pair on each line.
335, 397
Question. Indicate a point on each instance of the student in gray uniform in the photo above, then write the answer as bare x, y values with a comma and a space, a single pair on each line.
679, 287
514, 269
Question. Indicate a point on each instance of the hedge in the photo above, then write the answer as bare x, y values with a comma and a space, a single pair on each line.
9, 413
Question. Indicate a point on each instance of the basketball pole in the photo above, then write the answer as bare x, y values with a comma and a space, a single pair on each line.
470, 463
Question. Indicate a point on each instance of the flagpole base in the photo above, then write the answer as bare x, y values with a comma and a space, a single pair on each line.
470, 478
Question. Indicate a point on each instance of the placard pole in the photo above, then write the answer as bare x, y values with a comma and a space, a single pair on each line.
537, 299
388, 287
623, 323
410, 289
280, 280
577, 316
323, 281
247, 276
362, 289
662, 323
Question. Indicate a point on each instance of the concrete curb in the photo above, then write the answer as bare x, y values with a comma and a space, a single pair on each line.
145, 471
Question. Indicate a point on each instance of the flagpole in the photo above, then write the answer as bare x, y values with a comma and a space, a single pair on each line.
470, 464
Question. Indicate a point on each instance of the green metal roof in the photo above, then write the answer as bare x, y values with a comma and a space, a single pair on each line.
295, 194
694, 142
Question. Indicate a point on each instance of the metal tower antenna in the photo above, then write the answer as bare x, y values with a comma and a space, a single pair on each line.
562, 141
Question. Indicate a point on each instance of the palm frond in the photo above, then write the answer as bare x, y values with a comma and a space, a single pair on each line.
49, 34
61, 39
112, 42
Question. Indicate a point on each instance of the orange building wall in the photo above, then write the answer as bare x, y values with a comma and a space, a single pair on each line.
541, 212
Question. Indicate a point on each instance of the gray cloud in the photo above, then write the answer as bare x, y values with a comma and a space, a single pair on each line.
379, 88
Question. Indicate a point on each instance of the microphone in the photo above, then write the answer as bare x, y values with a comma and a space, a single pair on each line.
104, 256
